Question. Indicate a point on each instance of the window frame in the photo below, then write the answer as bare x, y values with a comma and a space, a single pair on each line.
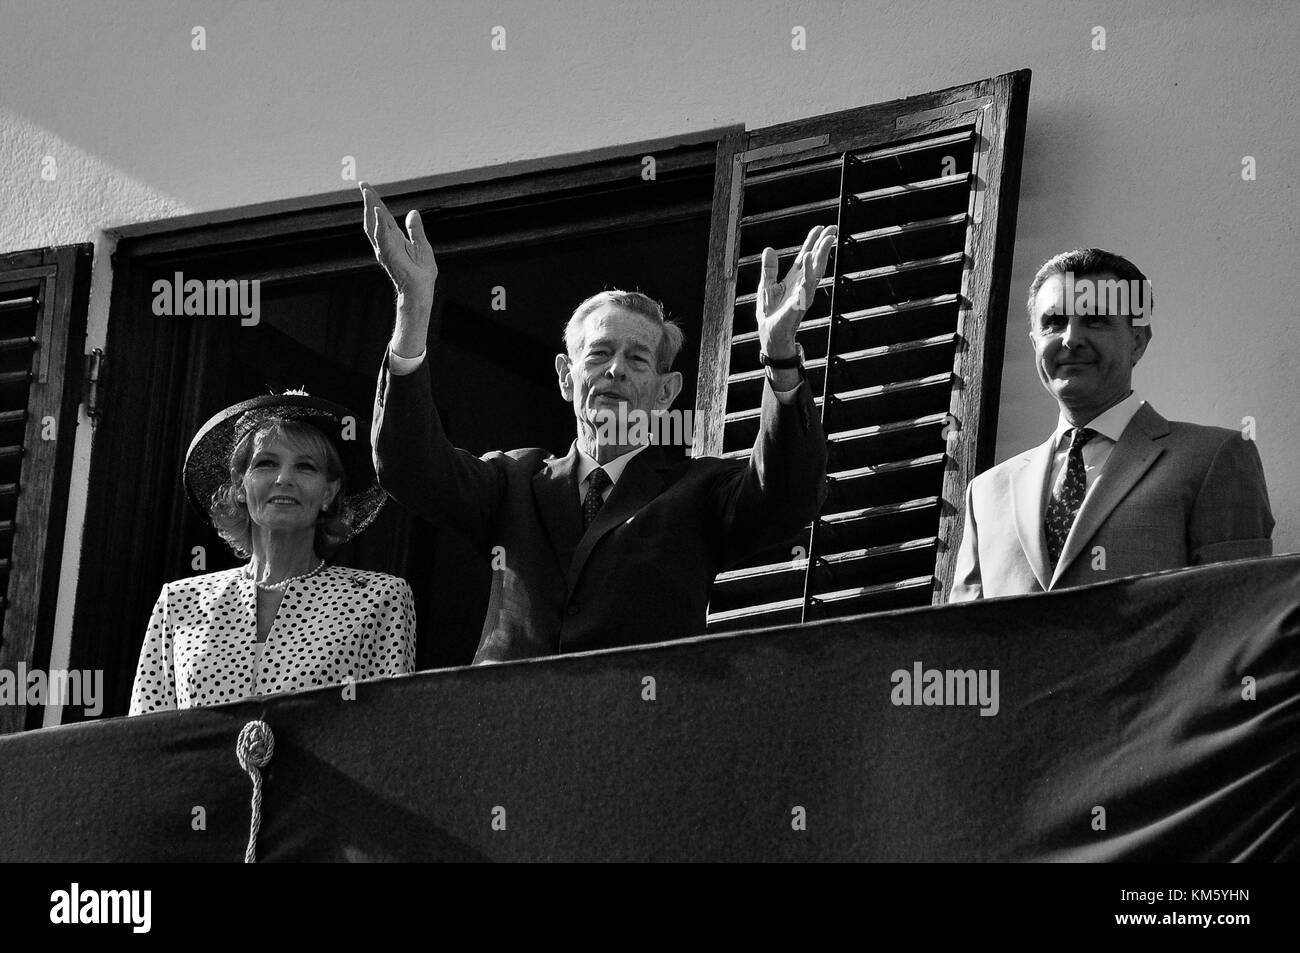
142, 247
61, 277
315, 218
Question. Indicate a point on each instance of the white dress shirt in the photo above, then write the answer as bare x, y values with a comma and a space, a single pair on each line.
614, 469
401, 366
1109, 425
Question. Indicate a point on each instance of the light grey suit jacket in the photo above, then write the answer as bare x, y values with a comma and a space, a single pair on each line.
1171, 495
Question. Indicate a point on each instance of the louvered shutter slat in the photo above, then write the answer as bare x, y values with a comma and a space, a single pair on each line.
43, 299
19, 314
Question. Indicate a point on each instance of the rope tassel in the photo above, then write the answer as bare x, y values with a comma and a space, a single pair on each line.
254, 748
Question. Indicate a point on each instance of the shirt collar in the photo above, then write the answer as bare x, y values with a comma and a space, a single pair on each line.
1109, 423
613, 469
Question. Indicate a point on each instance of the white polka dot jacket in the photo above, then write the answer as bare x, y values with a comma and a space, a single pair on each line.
201, 647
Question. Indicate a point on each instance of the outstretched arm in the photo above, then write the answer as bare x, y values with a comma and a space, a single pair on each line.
784, 484
415, 462
408, 260
781, 305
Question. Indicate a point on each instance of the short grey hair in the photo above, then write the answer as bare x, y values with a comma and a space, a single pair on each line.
670, 343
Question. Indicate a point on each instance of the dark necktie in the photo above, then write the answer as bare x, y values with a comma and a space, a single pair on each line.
594, 500
1064, 506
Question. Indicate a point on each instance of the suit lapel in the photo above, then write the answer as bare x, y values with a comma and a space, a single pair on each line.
1130, 459
555, 490
639, 483
1028, 492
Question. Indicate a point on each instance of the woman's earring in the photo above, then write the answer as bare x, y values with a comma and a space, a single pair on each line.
239, 497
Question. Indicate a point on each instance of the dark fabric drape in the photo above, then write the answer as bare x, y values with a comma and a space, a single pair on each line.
139, 532
1152, 718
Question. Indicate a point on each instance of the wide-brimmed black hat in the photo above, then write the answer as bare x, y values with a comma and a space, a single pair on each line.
207, 462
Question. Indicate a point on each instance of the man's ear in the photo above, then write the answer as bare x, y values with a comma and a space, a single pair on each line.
564, 371
1141, 338
670, 385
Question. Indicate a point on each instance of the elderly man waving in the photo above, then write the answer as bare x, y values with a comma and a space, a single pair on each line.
611, 544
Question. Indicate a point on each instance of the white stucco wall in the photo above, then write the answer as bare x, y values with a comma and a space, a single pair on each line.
1137, 148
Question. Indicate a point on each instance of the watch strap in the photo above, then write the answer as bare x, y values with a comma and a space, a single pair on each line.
783, 364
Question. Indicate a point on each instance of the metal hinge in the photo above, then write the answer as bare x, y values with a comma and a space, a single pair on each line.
94, 375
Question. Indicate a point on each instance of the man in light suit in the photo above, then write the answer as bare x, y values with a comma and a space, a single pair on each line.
1117, 489
612, 544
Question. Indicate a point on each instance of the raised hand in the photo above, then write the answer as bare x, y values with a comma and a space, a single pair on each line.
408, 258
781, 305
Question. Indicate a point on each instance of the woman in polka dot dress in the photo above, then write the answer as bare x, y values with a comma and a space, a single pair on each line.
271, 475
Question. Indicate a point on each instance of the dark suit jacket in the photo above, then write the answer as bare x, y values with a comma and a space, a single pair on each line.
1171, 495
642, 571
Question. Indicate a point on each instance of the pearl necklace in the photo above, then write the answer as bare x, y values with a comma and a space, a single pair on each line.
283, 583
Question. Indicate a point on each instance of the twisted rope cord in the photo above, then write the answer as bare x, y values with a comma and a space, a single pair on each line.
254, 748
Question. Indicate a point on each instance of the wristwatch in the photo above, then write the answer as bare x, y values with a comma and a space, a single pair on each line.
784, 364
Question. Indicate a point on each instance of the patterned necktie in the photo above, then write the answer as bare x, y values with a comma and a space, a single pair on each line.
1064, 506
594, 500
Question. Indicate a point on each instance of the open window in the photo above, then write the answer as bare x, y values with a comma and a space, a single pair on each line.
517, 247
906, 330
43, 300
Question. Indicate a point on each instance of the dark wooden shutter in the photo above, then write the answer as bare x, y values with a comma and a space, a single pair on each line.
904, 337
43, 298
